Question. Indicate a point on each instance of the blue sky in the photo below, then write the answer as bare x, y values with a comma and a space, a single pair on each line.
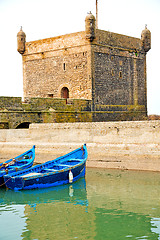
42, 19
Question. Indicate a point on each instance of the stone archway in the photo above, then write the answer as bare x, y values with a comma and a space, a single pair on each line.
23, 125
65, 92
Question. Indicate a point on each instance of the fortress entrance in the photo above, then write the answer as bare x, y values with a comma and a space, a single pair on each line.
65, 92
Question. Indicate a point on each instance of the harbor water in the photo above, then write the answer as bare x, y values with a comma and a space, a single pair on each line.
106, 205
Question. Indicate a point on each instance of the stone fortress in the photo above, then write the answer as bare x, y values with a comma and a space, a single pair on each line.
88, 76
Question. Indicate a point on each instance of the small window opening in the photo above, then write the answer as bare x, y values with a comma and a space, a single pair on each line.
64, 66
50, 95
120, 74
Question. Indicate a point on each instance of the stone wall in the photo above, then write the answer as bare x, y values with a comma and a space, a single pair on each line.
17, 114
10, 103
123, 145
117, 40
46, 77
14, 113
113, 79
119, 69
51, 64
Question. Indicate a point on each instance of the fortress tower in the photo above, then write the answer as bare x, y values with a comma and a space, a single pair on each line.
109, 69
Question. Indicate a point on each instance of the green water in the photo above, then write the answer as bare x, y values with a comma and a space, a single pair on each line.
107, 205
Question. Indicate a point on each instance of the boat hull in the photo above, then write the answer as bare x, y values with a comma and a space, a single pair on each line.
20, 164
12, 171
1, 181
47, 180
63, 170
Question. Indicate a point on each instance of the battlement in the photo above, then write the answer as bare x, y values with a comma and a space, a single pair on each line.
110, 39
55, 43
119, 41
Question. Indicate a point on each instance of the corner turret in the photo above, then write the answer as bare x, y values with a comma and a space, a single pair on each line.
146, 39
21, 40
90, 26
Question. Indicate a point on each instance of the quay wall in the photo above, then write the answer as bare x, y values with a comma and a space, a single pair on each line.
133, 145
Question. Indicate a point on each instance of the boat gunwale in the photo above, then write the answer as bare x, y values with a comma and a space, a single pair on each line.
17, 175
21, 155
14, 169
40, 175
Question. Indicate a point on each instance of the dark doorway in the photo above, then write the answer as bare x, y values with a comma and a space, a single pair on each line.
64, 93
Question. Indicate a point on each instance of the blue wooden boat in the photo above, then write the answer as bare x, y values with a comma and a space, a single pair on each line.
62, 170
18, 163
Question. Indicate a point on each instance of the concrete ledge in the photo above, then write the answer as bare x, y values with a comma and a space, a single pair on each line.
123, 145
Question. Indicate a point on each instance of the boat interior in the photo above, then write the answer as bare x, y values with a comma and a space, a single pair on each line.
17, 164
53, 167
61, 166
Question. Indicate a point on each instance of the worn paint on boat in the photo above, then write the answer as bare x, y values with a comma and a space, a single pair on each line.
23, 161
51, 173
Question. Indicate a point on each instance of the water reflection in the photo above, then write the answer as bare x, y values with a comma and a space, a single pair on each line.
11, 221
109, 204
49, 213
70, 193
125, 203
156, 226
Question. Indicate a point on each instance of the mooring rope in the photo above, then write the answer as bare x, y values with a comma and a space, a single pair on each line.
5, 182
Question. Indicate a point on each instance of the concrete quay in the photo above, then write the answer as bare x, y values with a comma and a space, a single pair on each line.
128, 145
